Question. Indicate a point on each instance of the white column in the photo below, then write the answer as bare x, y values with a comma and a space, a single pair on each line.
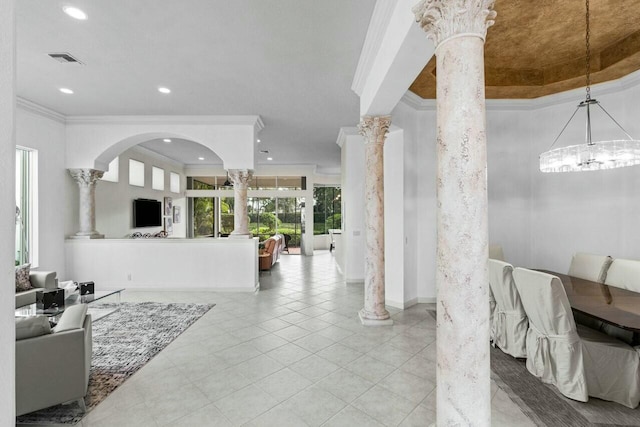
7, 211
458, 29
374, 129
240, 179
87, 179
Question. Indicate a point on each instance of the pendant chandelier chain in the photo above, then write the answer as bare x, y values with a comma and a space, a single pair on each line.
588, 56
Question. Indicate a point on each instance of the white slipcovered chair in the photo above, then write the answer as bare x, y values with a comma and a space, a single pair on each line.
590, 267
593, 268
580, 362
509, 321
624, 274
495, 252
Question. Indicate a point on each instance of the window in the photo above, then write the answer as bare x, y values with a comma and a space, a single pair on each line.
174, 183
157, 178
26, 206
136, 173
326, 209
112, 174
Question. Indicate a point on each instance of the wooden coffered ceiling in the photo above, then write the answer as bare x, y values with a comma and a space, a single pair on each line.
537, 48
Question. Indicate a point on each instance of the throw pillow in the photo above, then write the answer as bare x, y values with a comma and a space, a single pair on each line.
22, 278
32, 326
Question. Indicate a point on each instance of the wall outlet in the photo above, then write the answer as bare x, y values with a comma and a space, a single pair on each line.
356, 232
129, 277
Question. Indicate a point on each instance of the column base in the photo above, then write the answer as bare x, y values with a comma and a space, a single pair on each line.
87, 236
240, 235
368, 320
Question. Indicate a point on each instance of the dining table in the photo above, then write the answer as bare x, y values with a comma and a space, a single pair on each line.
610, 304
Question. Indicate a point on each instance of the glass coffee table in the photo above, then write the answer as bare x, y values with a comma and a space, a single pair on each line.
109, 302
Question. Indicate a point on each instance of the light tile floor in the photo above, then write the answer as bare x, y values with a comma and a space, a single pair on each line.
293, 354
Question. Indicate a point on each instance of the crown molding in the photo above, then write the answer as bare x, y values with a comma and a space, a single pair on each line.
258, 125
38, 109
254, 121
414, 101
344, 133
150, 153
250, 120
630, 80
380, 19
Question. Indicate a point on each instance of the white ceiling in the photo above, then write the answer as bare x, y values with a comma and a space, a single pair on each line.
290, 61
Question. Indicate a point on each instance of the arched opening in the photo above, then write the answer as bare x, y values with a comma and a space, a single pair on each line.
177, 147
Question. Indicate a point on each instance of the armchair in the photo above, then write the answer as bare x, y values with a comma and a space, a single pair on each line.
53, 368
39, 280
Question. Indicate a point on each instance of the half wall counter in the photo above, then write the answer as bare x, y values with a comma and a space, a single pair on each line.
165, 264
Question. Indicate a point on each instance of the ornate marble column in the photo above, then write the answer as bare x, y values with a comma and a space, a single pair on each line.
374, 129
86, 179
240, 179
458, 29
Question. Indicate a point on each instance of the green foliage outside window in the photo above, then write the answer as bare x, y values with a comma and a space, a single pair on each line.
327, 209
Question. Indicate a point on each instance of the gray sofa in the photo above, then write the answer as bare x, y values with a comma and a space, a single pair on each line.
39, 280
52, 366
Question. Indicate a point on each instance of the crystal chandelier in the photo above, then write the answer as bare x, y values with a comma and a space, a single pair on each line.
592, 155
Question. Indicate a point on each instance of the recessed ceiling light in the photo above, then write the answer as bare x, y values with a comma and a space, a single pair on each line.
74, 12
258, 140
269, 158
66, 90
164, 90
200, 158
167, 140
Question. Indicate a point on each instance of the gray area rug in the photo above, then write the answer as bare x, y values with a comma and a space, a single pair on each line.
123, 342
545, 406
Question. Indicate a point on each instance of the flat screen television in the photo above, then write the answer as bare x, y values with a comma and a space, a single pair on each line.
147, 213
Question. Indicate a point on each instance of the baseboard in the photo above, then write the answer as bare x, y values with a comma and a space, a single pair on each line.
426, 300
401, 305
394, 304
354, 281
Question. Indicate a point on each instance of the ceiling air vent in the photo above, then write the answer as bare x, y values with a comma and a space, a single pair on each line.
65, 58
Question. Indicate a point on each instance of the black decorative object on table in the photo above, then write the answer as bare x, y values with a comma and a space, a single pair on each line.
50, 299
87, 288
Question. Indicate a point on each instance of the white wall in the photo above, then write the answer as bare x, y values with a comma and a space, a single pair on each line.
394, 218
419, 201
166, 264
7, 211
93, 142
352, 240
46, 135
114, 200
406, 118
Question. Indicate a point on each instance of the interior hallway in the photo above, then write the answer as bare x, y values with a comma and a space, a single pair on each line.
294, 354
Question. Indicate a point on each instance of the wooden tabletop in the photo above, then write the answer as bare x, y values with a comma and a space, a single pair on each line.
616, 306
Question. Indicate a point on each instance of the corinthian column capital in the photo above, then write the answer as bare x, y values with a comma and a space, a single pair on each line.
240, 177
444, 19
374, 128
86, 177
